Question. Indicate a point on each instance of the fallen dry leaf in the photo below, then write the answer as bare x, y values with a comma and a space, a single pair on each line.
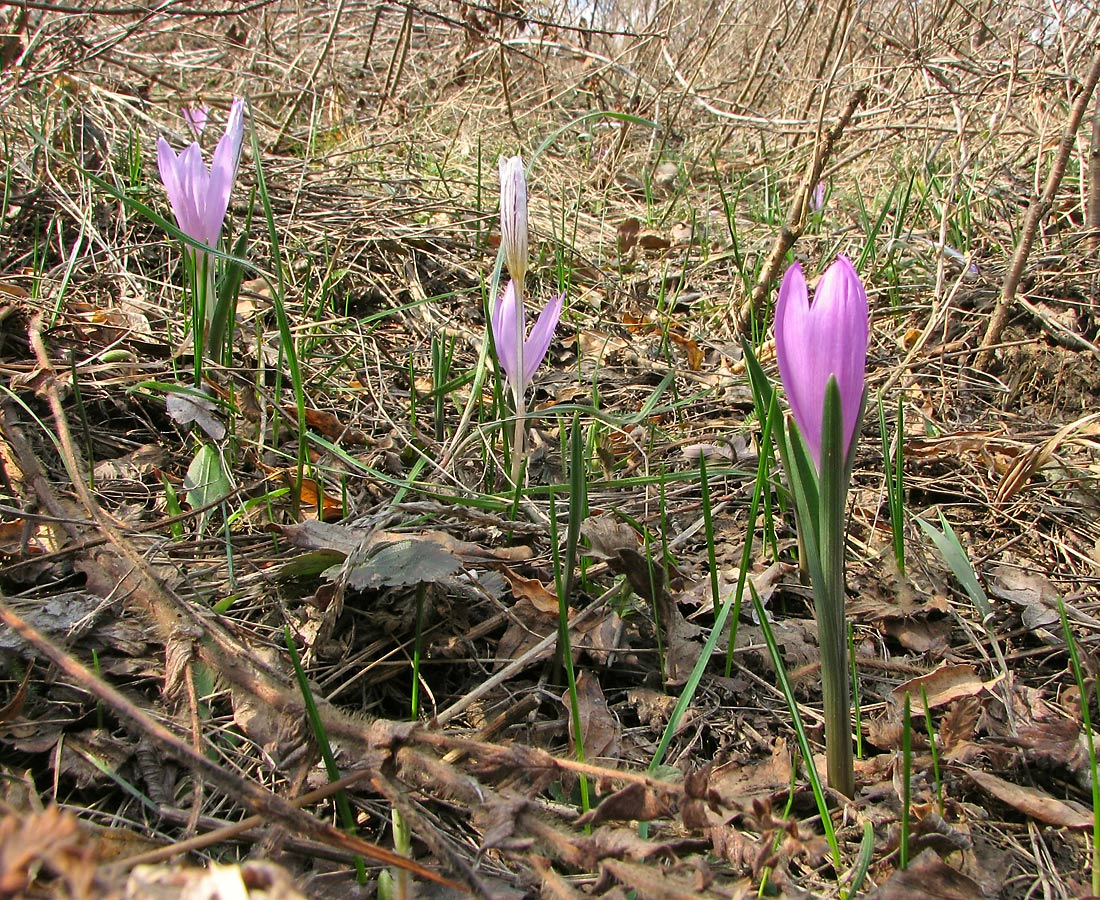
627, 234
738, 784
958, 728
1033, 802
185, 408
47, 843
928, 878
606, 535
329, 425
651, 883
942, 686
533, 591
633, 803
601, 733
920, 635
326, 506
527, 626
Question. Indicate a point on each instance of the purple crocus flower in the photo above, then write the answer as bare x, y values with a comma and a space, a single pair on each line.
199, 196
508, 335
813, 343
195, 117
817, 197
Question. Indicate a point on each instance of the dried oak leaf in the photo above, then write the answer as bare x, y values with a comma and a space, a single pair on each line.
928, 878
527, 627
737, 785
1053, 741
633, 803
653, 883
607, 535
627, 234
1034, 803
533, 591
942, 686
601, 732
958, 728
46, 842
1034, 595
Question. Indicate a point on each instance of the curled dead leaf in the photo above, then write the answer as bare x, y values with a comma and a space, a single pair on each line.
1034, 803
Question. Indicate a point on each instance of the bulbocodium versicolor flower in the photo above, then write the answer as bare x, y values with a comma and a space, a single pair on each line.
814, 342
195, 117
199, 196
520, 370
817, 198
519, 357
513, 216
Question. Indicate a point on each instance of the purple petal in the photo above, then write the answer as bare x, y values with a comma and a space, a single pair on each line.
534, 350
815, 342
797, 354
513, 216
817, 198
195, 179
843, 303
504, 326
196, 117
223, 172
179, 177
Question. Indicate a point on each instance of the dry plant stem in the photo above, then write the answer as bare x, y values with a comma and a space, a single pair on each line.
227, 832
503, 65
312, 79
532, 758
177, 621
270, 805
795, 225
397, 60
1093, 212
1037, 210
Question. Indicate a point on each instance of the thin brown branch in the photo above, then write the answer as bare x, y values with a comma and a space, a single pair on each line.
1037, 210
795, 225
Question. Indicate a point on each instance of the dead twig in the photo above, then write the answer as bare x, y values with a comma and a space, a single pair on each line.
795, 225
263, 801
176, 619
1037, 210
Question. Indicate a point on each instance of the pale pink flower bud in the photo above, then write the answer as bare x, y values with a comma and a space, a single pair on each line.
513, 217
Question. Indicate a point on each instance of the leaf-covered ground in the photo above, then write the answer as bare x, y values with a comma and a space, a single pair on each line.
153, 722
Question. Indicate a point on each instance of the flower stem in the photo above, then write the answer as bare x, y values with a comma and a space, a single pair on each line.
829, 600
519, 389
517, 441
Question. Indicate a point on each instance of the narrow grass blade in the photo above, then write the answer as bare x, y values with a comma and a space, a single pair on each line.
321, 736
947, 542
1086, 721
863, 861
286, 336
563, 581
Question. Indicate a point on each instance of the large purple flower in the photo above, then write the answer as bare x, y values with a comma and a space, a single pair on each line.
199, 196
815, 342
